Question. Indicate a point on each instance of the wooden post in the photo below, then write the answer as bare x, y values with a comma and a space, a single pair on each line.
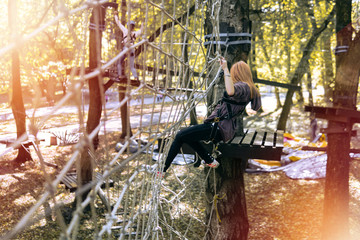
336, 201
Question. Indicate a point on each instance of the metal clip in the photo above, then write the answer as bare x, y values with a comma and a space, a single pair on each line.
216, 119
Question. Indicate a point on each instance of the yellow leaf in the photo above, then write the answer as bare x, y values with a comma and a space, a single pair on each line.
269, 163
288, 135
294, 158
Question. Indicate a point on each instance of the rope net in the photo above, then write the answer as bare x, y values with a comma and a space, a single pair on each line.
128, 200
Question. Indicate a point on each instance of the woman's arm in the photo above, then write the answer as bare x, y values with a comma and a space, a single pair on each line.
229, 85
139, 32
123, 29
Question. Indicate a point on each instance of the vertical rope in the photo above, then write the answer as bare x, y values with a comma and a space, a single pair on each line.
155, 206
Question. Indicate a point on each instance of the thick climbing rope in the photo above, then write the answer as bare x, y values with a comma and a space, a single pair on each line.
142, 204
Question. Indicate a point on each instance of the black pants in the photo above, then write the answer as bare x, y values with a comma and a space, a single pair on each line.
192, 136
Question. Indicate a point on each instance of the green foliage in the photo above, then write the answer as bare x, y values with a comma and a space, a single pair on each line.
280, 28
283, 28
61, 45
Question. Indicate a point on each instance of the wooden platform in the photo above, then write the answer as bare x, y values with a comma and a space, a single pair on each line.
335, 114
266, 145
255, 144
70, 181
324, 149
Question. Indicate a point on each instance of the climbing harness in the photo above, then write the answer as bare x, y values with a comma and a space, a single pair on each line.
130, 41
215, 124
225, 99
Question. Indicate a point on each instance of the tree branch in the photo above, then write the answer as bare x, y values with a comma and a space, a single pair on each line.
309, 47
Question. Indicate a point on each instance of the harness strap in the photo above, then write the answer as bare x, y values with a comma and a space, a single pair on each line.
229, 114
132, 38
228, 103
214, 130
227, 100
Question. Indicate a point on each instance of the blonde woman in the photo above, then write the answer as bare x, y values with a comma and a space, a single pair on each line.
221, 124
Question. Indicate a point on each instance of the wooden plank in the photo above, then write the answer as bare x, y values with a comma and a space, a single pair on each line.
103, 198
324, 149
245, 152
259, 139
334, 114
70, 181
255, 144
269, 141
279, 139
320, 149
343, 119
66, 181
248, 137
237, 140
277, 84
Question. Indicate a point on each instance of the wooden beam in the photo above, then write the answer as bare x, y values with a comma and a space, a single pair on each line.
195, 74
278, 84
335, 114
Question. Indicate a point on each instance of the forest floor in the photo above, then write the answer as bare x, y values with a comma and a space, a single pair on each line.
278, 207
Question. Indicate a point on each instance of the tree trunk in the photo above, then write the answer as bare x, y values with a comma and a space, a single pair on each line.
125, 116
95, 105
227, 188
187, 80
277, 96
328, 71
300, 70
124, 109
17, 103
309, 87
336, 201
226, 192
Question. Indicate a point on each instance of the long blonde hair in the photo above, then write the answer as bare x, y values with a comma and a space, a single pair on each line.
240, 72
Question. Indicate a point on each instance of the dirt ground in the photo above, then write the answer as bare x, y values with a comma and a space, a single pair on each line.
278, 207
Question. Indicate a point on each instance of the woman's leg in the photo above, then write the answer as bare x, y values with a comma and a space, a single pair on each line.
132, 64
120, 62
192, 136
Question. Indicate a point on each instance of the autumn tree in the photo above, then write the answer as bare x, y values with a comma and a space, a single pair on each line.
226, 189
302, 66
17, 103
96, 88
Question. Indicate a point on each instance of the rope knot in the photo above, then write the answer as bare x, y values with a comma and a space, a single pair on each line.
216, 197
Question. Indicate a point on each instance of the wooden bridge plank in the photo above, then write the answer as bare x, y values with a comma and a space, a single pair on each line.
70, 181
254, 144
248, 137
269, 141
279, 139
259, 139
237, 140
